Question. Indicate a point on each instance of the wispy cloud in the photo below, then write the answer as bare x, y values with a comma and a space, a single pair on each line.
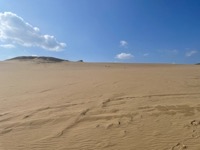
175, 51
124, 56
15, 30
146, 54
34, 55
168, 51
191, 53
7, 46
123, 43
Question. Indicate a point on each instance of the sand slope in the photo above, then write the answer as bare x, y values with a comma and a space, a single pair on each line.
82, 106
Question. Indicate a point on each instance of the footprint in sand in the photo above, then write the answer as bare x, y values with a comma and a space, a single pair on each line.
179, 146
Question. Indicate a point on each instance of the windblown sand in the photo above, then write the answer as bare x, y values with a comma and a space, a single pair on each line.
88, 106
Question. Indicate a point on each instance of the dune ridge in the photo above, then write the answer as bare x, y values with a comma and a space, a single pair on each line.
85, 106
37, 58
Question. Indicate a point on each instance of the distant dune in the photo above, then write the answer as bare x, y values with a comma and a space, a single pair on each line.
98, 106
37, 58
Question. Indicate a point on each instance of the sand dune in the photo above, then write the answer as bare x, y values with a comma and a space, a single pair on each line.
91, 106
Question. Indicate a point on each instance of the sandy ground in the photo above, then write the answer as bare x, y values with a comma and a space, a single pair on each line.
83, 106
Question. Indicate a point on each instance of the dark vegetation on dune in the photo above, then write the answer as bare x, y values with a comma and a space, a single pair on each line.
39, 59
198, 64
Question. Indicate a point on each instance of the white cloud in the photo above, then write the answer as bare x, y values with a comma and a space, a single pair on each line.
15, 30
175, 51
7, 46
123, 43
190, 53
146, 54
34, 55
124, 56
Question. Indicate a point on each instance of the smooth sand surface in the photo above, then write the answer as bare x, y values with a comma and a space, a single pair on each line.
88, 106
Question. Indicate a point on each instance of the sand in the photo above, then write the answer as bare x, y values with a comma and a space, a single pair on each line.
99, 106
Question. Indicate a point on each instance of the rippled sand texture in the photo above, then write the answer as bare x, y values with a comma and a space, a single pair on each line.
82, 106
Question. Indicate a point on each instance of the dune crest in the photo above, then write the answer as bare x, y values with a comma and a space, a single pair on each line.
37, 59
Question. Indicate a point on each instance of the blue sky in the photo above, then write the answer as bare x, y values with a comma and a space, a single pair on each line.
135, 31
